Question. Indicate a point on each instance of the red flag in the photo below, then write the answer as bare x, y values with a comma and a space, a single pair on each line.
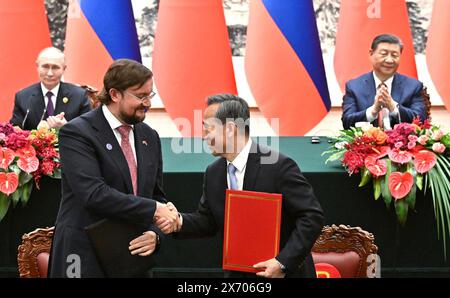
359, 22
438, 59
191, 58
24, 31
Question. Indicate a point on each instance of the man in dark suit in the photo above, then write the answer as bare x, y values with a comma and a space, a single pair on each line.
383, 97
111, 168
255, 168
51, 100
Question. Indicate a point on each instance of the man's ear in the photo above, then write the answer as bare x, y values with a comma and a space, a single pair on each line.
114, 93
230, 129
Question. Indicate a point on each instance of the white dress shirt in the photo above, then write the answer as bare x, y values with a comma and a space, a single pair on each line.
55, 91
240, 162
115, 123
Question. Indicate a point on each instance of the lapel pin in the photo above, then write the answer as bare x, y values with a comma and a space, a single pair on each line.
109, 146
65, 100
145, 142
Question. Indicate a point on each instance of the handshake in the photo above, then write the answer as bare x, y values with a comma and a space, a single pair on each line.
167, 218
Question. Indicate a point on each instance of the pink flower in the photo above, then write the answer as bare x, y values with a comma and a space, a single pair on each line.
412, 138
437, 135
398, 145
438, 147
423, 139
411, 145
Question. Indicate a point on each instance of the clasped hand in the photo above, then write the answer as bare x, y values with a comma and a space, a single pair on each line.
383, 100
169, 225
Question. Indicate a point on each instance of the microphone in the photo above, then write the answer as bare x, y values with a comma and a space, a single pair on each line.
399, 117
315, 139
25, 118
43, 114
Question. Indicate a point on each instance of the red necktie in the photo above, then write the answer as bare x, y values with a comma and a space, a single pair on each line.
124, 131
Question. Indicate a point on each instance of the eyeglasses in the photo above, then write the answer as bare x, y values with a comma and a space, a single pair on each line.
144, 98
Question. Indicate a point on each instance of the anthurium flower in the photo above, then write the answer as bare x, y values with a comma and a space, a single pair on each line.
381, 152
8, 182
6, 157
376, 167
424, 161
400, 156
26, 152
28, 164
400, 184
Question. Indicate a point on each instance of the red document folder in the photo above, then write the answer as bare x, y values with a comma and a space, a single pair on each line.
252, 229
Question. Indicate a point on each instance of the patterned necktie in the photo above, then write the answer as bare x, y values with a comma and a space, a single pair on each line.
232, 174
124, 131
50, 107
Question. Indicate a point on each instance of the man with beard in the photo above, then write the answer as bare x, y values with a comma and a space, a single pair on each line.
111, 169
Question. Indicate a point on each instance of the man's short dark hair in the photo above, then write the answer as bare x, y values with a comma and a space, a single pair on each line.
121, 75
232, 107
386, 38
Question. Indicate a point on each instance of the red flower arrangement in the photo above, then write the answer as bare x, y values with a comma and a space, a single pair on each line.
24, 157
398, 162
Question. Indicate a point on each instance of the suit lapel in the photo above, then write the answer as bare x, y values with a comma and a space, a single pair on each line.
111, 146
252, 168
37, 104
142, 146
370, 89
60, 105
396, 91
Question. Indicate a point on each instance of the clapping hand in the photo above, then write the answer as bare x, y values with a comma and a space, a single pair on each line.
56, 121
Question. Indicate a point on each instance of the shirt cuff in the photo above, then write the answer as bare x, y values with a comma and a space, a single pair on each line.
369, 116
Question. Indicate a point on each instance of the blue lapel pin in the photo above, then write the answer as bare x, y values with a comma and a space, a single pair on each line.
109, 146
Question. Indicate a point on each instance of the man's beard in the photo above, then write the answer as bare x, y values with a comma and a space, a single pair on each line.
131, 119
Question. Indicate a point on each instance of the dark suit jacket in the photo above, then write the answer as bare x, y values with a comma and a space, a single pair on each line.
96, 184
360, 93
302, 216
32, 99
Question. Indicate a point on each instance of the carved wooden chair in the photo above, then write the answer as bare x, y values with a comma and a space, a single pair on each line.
426, 101
350, 249
33, 253
92, 94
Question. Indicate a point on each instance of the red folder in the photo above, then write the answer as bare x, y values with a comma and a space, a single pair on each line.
252, 229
